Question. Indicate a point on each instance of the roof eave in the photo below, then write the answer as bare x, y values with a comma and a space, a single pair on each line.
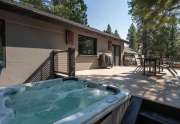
31, 11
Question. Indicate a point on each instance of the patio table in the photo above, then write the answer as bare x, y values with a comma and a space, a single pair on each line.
151, 63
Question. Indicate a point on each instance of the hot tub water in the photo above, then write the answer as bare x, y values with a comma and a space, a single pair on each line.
46, 103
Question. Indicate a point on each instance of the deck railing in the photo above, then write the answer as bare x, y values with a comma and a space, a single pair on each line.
58, 62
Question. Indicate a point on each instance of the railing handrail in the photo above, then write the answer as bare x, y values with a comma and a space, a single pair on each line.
59, 51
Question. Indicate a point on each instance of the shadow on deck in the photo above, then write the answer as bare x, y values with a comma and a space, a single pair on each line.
161, 89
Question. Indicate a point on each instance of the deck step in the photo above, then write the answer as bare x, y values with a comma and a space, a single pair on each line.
143, 111
131, 114
144, 120
156, 118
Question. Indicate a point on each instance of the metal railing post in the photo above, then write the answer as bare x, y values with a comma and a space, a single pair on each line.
52, 63
71, 62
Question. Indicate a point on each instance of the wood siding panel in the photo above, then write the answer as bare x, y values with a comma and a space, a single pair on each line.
86, 62
21, 63
62, 62
29, 43
89, 62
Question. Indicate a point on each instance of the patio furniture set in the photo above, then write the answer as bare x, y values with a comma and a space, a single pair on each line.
155, 65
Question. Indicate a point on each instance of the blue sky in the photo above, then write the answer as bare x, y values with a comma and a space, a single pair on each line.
113, 12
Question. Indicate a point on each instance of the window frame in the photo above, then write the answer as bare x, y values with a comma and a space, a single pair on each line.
94, 45
3, 33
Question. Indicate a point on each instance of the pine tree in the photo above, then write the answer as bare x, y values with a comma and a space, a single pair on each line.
116, 34
172, 40
35, 3
71, 9
74, 10
154, 13
131, 36
154, 19
109, 29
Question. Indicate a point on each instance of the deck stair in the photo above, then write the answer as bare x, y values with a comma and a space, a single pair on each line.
143, 111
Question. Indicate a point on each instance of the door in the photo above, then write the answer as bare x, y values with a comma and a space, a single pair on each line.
116, 52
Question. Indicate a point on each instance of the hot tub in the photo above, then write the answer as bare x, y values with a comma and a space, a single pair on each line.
62, 101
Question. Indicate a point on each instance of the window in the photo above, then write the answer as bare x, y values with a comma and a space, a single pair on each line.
87, 45
2, 43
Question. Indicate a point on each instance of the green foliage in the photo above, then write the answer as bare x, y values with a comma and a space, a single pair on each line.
132, 37
154, 13
177, 47
157, 25
35, 3
163, 41
116, 34
70, 9
109, 29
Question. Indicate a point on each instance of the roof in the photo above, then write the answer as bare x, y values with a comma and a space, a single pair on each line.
129, 51
36, 13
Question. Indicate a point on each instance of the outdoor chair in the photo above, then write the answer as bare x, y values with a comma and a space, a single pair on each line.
142, 59
139, 63
168, 64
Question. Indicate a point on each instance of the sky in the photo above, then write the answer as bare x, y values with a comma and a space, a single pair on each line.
114, 12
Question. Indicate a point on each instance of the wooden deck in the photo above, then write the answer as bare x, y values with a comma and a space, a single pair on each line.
163, 88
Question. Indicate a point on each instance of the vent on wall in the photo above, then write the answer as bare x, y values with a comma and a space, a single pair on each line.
109, 44
69, 37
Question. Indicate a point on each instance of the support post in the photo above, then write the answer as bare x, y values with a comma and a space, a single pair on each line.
71, 62
52, 63
144, 65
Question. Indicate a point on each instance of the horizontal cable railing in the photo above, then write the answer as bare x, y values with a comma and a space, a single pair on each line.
61, 62
58, 62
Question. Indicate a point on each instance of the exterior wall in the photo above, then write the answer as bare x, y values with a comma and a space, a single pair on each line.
85, 62
29, 42
177, 65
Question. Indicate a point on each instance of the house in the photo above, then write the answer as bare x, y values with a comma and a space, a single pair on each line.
28, 35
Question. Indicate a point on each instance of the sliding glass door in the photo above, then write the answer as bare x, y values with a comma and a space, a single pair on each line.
116, 52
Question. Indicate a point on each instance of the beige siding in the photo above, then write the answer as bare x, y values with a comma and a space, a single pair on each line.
20, 63
90, 62
29, 43
86, 62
